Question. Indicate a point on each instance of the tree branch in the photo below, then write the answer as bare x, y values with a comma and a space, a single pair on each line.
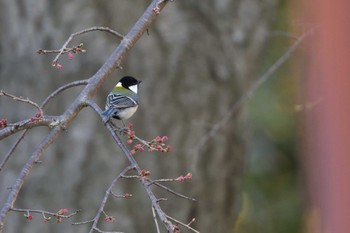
52, 95
183, 224
104, 201
28, 124
94, 83
64, 48
250, 92
62, 88
144, 181
21, 99
44, 212
9, 153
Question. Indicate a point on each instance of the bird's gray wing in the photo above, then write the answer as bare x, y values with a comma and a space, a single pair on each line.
120, 101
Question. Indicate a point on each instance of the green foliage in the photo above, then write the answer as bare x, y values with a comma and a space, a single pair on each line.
272, 200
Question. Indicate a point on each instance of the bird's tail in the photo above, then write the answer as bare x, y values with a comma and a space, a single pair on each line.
108, 112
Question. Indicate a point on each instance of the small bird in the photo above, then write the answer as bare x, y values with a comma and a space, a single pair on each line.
123, 100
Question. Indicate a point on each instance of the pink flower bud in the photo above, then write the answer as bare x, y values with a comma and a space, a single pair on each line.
28, 216
62, 211
188, 176
59, 66
70, 56
158, 139
159, 148
180, 179
126, 195
109, 219
129, 125
168, 148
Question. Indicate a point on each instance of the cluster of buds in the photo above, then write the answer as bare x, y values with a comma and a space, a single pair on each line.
3, 123
144, 173
130, 134
37, 117
183, 178
61, 212
70, 52
78, 49
157, 144
156, 10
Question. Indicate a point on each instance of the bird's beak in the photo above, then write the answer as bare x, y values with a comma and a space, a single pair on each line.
140, 81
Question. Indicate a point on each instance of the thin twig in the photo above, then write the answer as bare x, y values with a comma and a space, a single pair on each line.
250, 92
172, 191
83, 222
131, 177
163, 180
45, 212
183, 224
52, 95
155, 219
9, 153
21, 99
101, 231
126, 195
64, 47
104, 200
62, 88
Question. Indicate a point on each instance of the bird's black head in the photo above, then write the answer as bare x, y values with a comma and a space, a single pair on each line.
129, 81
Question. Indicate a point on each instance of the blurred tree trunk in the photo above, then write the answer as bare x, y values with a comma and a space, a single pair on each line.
196, 62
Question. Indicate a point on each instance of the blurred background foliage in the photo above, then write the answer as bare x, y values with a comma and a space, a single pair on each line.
272, 192
197, 61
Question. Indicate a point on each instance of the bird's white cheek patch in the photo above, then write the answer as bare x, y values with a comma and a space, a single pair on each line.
134, 88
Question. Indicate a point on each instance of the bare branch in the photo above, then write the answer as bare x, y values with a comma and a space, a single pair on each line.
62, 88
250, 92
99, 230
44, 212
52, 95
104, 200
9, 153
144, 181
11, 129
183, 224
172, 191
155, 219
21, 99
64, 48
126, 195
83, 222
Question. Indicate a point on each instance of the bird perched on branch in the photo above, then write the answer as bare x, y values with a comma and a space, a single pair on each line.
123, 100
